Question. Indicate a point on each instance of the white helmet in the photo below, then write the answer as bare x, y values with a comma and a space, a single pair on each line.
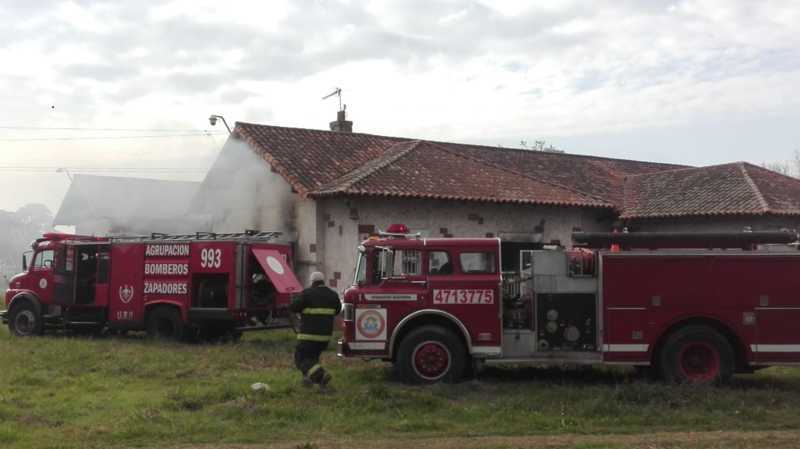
316, 277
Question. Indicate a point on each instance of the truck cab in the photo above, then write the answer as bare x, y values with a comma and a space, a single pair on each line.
61, 268
411, 298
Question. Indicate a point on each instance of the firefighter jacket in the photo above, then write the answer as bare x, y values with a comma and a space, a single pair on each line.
318, 306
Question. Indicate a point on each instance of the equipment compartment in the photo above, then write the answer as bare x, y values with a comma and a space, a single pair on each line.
566, 322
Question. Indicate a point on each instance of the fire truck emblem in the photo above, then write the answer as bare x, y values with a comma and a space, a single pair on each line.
274, 264
371, 324
126, 293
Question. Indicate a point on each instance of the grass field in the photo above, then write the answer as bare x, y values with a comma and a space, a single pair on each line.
70, 392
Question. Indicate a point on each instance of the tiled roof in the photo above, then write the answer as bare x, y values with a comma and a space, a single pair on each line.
313, 159
728, 189
424, 169
324, 163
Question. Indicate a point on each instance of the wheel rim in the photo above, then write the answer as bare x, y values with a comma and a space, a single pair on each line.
25, 322
699, 362
431, 360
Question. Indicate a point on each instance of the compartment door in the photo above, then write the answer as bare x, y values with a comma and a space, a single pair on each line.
277, 270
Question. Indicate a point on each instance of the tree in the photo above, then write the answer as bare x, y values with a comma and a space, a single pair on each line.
788, 168
540, 145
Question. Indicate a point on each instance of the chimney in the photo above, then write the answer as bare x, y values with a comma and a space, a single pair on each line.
341, 125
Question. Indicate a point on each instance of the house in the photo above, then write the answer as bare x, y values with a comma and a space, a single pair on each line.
104, 205
329, 190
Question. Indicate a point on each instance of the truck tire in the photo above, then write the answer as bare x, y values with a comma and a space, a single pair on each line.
431, 354
165, 323
25, 319
696, 355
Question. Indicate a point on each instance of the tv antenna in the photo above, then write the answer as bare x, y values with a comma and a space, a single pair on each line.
338, 92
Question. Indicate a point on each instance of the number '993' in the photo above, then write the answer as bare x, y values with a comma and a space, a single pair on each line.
211, 258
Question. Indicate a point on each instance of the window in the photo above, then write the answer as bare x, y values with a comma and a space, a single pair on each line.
477, 263
103, 267
396, 264
44, 260
439, 263
407, 263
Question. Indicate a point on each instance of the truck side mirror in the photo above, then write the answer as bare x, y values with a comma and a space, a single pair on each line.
24, 263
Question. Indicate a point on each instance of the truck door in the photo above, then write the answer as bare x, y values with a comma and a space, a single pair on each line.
397, 287
467, 285
64, 276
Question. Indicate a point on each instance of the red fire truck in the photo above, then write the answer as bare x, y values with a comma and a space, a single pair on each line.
172, 286
695, 307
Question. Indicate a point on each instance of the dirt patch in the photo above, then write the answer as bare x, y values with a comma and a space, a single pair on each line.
677, 440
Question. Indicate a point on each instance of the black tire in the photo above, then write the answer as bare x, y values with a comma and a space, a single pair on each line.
165, 323
431, 354
697, 355
25, 319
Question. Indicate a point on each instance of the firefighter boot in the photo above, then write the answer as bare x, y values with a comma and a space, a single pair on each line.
323, 383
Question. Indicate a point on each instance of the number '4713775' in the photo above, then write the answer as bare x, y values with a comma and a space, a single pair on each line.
463, 296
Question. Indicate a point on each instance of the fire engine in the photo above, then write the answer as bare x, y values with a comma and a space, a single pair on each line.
693, 307
172, 286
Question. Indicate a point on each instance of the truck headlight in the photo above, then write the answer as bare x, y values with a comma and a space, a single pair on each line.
348, 312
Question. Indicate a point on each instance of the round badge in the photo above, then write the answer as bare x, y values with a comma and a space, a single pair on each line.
274, 265
371, 324
42, 283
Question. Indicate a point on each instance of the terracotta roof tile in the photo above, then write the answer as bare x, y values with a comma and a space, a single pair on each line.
312, 159
423, 169
728, 189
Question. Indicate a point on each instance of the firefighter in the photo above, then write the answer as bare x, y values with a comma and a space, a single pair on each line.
318, 305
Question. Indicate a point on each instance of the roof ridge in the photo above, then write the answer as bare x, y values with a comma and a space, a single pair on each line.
488, 147
672, 170
379, 165
514, 172
754, 187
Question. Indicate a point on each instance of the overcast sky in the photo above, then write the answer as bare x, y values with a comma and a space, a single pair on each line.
693, 82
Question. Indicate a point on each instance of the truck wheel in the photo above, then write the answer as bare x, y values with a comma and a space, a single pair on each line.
165, 323
431, 354
697, 355
24, 320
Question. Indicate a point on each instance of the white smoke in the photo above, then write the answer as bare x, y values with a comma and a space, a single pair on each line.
242, 192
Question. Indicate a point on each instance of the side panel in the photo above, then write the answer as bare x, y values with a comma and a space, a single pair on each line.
767, 286
645, 294
126, 286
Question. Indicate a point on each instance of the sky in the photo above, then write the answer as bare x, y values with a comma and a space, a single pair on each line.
126, 88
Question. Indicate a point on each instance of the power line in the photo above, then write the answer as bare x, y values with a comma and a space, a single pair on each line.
41, 139
46, 128
158, 170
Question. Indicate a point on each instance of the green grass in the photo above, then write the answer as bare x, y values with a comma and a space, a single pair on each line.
69, 392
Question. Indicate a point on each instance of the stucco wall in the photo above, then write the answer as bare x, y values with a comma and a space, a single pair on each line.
341, 218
